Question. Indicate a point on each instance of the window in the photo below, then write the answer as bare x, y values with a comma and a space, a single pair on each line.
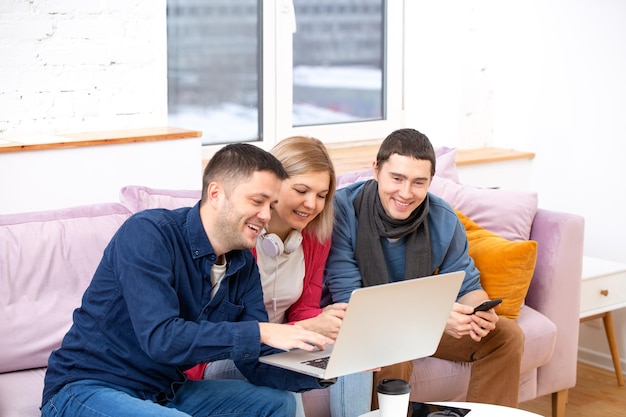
259, 71
213, 71
338, 61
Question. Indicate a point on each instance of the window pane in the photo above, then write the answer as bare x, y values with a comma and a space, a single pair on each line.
338, 61
213, 68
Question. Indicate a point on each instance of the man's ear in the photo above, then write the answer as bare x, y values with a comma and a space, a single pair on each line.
375, 169
215, 192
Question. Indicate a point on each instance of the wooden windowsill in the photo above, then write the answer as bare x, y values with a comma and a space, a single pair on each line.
74, 140
486, 155
346, 158
360, 158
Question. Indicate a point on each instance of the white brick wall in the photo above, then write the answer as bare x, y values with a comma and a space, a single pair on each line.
74, 65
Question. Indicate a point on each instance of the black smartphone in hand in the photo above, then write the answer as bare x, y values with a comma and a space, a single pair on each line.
487, 305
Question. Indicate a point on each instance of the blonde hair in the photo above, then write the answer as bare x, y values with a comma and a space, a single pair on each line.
302, 155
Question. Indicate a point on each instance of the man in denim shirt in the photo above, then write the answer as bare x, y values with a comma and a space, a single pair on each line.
176, 288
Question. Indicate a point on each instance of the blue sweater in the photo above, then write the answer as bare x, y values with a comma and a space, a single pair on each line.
148, 314
448, 248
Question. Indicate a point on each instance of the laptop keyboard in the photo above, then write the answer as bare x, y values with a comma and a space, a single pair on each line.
321, 363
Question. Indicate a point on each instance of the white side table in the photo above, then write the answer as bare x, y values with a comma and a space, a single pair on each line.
604, 290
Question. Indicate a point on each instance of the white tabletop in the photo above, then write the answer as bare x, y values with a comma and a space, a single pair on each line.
594, 267
478, 410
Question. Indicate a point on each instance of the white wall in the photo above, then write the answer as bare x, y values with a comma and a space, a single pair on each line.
58, 178
546, 76
79, 66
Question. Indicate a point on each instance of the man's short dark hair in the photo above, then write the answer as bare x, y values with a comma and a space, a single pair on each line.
236, 162
407, 142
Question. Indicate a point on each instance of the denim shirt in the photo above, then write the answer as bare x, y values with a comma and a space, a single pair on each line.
148, 314
448, 243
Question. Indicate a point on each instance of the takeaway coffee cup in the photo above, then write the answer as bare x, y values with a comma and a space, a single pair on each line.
393, 397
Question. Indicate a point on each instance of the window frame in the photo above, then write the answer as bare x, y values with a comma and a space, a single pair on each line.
276, 98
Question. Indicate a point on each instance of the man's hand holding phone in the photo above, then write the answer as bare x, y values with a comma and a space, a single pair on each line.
464, 320
486, 321
487, 305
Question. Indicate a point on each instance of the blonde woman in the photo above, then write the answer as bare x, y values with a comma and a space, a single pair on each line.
291, 255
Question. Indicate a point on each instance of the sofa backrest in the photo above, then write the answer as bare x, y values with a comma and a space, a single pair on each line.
47, 260
487, 207
137, 198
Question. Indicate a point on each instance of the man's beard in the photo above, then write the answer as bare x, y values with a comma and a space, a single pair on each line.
230, 225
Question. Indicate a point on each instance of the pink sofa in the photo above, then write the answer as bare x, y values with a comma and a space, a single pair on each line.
48, 258
46, 261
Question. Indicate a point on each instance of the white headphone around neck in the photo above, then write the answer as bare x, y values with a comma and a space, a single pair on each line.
273, 245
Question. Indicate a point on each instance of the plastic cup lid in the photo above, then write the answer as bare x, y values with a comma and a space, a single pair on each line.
393, 386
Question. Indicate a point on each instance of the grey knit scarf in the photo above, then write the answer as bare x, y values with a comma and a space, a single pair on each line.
374, 223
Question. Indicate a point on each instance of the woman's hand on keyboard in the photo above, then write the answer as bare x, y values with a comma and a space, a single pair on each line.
327, 322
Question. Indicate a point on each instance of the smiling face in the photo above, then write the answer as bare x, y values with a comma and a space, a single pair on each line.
402, 184
301, 199
243, 211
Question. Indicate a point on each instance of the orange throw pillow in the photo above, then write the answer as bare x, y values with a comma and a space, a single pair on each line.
506, 267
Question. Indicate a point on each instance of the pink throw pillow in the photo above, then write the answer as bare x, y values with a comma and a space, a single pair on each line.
137, 198
48, 259
446, 163
508, 213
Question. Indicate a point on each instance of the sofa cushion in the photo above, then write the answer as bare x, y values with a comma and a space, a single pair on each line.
352, 177
506, 267
446, 163
539, 338
138, 198
48, 259
20, 393
508, 213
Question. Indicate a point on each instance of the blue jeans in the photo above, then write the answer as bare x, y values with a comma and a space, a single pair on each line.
90, 398
351, 395
226, 369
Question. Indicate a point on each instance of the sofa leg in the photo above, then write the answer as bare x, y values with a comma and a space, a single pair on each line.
559, 399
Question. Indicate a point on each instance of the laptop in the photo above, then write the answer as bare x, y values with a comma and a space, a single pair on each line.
384, 325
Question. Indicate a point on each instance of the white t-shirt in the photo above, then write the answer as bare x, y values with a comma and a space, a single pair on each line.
282, 278
217, 274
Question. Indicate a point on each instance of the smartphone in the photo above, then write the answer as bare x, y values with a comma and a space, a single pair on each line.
489, 304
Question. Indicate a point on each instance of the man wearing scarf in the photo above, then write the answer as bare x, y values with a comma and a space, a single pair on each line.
390, 229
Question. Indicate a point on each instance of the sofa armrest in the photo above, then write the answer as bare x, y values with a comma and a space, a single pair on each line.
555, 291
